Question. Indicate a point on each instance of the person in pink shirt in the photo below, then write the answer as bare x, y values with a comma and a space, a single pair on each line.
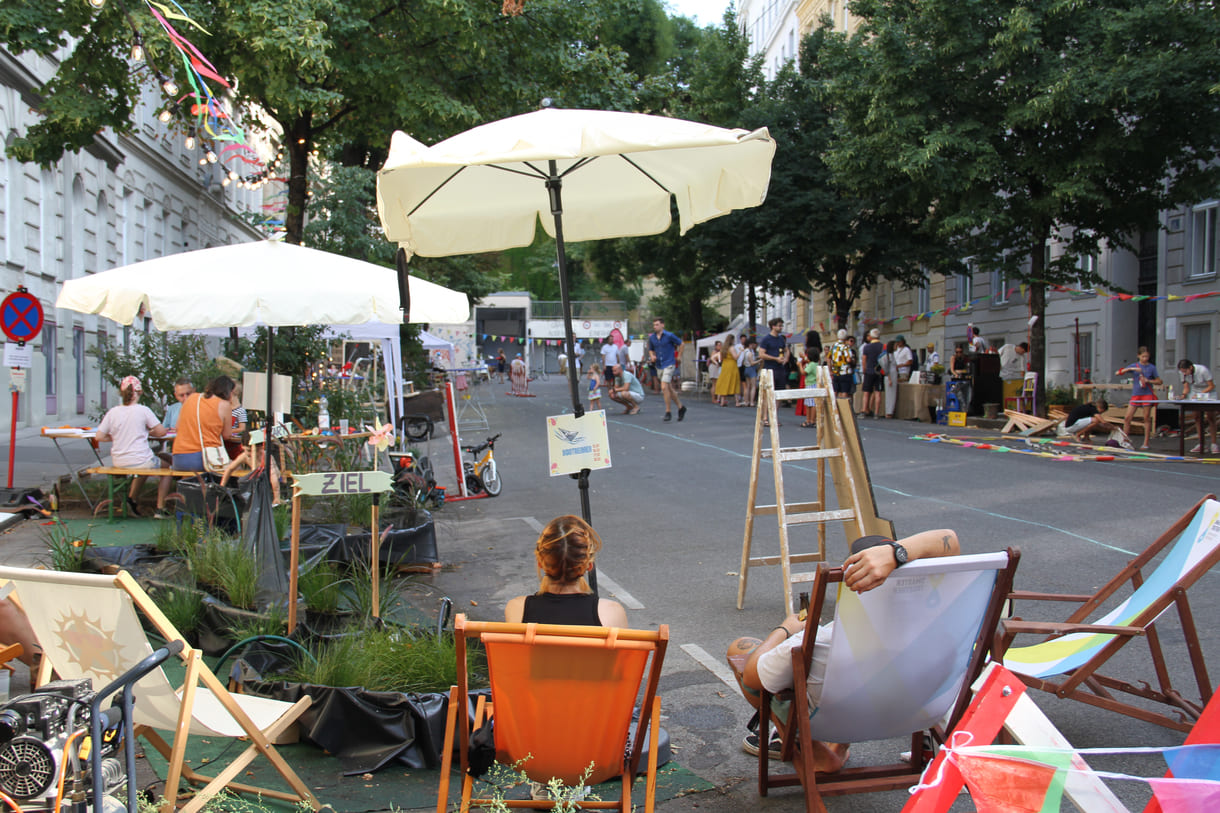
127, 428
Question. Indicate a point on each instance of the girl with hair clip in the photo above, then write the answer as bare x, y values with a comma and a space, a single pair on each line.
128, 427
565, 552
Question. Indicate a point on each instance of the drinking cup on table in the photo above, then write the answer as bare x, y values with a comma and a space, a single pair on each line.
343, 426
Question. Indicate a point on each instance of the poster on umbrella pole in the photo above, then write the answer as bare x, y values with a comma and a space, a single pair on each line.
577, 443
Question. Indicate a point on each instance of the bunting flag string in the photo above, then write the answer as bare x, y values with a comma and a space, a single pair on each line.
1022, 289
1029, 779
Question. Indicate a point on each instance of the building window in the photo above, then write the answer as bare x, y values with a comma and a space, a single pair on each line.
1196, 343
1203, 240
78, 358
50, 356
965, 286
999, 287
1087, 264
1083, 363
923, 295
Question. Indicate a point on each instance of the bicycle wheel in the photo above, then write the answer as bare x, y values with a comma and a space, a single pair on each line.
491, 480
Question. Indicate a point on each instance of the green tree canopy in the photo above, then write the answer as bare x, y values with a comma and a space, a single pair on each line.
1002, 125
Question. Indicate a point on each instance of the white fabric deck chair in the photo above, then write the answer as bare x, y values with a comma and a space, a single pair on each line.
88, 627
900, 661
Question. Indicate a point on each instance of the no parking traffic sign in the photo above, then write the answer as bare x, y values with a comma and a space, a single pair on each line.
21, 316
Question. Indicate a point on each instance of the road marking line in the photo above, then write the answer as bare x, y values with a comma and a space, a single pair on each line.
530, 521
717, 668
626, 599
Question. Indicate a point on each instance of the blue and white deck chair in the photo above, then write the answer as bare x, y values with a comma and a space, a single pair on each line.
1068, 663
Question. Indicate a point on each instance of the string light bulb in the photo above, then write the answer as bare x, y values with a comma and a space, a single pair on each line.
210, 157
164, 116
137, 53
97, 4
170, 87
190, 142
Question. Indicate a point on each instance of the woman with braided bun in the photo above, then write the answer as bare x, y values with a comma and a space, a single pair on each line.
565, 552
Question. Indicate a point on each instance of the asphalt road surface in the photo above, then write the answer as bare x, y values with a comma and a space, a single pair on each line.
671, 513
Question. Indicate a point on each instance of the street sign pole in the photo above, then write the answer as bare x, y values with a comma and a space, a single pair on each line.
21, 320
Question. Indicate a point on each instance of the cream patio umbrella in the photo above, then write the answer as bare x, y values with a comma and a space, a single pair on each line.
598, 174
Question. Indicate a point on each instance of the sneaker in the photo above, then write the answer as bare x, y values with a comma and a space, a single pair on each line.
681, 412
750, 745
1198, 448
163, 513
668, 417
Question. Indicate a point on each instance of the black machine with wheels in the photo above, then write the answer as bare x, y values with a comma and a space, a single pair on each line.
41, 739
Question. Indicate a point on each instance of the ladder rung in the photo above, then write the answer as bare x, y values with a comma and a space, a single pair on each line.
803, 453
775, 560
802, 577
807, 392
821, 516
772, 510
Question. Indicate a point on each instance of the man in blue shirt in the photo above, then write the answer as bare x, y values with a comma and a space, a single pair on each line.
773, 350
665, 350
182, 389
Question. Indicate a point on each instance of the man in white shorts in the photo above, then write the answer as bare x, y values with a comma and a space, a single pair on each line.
665, 350
768, 663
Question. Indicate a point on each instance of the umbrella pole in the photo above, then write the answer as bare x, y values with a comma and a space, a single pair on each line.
554, 187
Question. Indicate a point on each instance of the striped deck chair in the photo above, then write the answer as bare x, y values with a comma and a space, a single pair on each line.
89, 627
900, 663
563, 696
1044, 765
1068, 663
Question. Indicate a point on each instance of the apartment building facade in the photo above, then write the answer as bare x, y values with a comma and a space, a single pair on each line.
123, 199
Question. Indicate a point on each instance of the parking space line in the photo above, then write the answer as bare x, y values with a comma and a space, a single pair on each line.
626, 599
716, 667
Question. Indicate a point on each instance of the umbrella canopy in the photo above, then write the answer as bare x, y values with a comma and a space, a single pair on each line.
258, 283
485, 190
598, 174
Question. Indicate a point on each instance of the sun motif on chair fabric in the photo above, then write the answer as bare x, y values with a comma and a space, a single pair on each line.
90, 646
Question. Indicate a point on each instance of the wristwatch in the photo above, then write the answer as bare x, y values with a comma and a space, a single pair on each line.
900, 554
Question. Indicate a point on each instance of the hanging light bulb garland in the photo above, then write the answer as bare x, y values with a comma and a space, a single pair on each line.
213, 127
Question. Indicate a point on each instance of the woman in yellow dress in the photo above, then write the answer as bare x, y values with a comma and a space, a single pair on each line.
729, 382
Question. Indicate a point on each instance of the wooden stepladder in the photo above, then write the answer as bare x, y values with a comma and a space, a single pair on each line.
837, 448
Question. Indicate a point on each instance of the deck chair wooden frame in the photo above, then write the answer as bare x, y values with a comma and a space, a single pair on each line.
1106, 636
799, 726
530, 697
1001, 706
103, 638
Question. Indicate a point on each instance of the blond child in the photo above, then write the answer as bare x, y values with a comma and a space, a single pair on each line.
595, 386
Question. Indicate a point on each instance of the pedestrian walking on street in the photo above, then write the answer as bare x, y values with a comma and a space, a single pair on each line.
665, 350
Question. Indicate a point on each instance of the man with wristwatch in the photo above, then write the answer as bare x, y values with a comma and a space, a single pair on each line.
768, 662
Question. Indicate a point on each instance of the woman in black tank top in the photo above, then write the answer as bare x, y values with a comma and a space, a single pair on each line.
565, 552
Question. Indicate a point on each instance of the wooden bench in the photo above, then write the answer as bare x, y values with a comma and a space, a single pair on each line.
117, 475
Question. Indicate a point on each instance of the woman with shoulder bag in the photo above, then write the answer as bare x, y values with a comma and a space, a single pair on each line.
205, 422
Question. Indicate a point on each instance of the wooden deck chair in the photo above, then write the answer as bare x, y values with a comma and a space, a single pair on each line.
1001, 704
564, 697
1068, 664
900, 661
88, 626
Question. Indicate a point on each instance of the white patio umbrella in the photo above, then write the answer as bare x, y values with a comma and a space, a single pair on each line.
258, 283
599, 174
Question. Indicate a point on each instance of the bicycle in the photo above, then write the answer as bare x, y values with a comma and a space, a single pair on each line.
539, 373
482, 474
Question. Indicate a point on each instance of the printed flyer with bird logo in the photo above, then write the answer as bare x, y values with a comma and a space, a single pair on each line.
577, 443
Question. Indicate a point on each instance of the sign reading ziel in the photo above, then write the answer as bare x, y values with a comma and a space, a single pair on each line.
327, 483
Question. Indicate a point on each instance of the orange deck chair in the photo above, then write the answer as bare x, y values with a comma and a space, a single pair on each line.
564, 697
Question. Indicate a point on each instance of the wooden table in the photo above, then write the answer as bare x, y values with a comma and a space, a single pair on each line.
88, 435
915, 399
1199, 407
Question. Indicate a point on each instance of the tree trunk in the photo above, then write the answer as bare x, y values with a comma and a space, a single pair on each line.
694, 309
300, 142
751, 309
1037, 312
